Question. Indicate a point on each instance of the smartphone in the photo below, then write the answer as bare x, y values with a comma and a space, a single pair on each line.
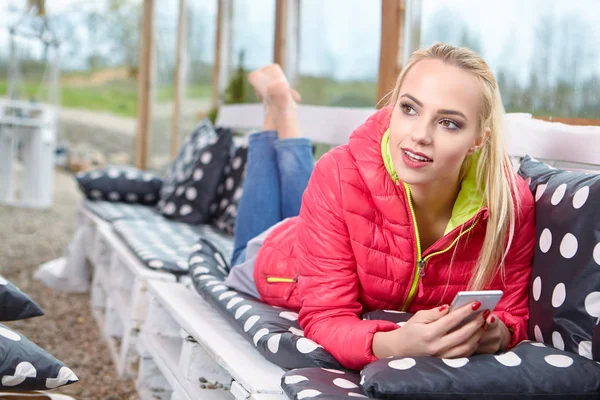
488, 299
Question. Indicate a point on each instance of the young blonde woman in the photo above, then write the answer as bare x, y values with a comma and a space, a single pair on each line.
421, 203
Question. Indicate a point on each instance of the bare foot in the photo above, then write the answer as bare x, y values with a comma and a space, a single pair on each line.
260, 78
280, 104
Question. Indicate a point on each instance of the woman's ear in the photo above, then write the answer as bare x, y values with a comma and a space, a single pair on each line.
480, 141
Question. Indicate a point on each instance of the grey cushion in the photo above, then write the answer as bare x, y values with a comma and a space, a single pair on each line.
274, 331
565, 291
192, 180
15, 304
111, 211
120, 183
165, 245
25, 366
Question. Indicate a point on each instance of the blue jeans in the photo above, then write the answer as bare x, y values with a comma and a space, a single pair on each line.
277, 173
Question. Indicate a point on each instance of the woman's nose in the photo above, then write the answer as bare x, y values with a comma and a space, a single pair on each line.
422, 133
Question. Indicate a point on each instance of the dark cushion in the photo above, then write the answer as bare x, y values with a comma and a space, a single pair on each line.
274, 331
530, 370
122, 183
229, 191
596, 341
165, 245
109, 211
565, 290
25, 366
321, 383
192, 180
14, 304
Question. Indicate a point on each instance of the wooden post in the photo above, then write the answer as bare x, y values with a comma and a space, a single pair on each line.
287, 33
144, 85
222, 49
280, 33
390, 57
178, 76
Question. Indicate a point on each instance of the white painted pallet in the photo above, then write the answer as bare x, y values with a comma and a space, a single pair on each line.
117, 292
194, 347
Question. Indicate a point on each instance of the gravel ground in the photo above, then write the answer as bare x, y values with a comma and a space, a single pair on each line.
67, 331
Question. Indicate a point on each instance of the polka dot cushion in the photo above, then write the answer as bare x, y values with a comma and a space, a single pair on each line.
124, 184
14, 304
565, 291
25, 366
273, 331
530, 370
110, 211
229, 191
596, 341
159, 243
192, 180
321, 383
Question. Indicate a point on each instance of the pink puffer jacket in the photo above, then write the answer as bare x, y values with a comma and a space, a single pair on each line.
353, 249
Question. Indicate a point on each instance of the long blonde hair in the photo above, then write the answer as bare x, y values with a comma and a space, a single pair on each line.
495, 177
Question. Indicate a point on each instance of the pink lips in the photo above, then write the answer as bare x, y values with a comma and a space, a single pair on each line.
412, 163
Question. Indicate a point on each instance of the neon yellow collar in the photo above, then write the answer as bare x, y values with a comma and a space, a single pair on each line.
469, 200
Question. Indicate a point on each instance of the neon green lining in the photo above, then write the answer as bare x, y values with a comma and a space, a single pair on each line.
469, 199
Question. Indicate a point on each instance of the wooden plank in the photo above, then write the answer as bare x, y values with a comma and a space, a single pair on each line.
222, 49
177, 79
390, 56
219, 338
279, 47
144, 85
572, 121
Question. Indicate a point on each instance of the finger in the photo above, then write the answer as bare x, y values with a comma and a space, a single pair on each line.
491, 322
463, 349
463, 334
455, 318
429, 316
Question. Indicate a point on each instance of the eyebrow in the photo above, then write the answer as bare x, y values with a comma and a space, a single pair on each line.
442, 111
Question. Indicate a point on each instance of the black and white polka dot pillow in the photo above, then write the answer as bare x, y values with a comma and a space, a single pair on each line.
529, 370
15, 304
192, 179
321, 383
596, 341
273, 331
565, 291
224, 206
26, 366
123, 184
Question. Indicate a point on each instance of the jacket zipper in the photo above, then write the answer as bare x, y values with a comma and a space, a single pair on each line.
422, 262
277, 279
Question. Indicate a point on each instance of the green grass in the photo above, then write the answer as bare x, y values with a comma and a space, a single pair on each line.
117, 97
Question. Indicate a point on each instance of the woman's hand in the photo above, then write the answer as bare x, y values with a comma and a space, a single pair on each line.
432, 333
496, 336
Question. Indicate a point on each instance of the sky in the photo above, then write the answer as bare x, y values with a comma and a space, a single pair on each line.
341, 38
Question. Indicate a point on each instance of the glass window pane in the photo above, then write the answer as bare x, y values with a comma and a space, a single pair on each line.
339, 52
197, 63
166, 13
253, 38
543, 52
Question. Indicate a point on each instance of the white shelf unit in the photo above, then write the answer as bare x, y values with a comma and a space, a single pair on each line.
197, 351
119, 281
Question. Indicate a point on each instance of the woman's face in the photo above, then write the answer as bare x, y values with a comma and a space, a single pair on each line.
435, 123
